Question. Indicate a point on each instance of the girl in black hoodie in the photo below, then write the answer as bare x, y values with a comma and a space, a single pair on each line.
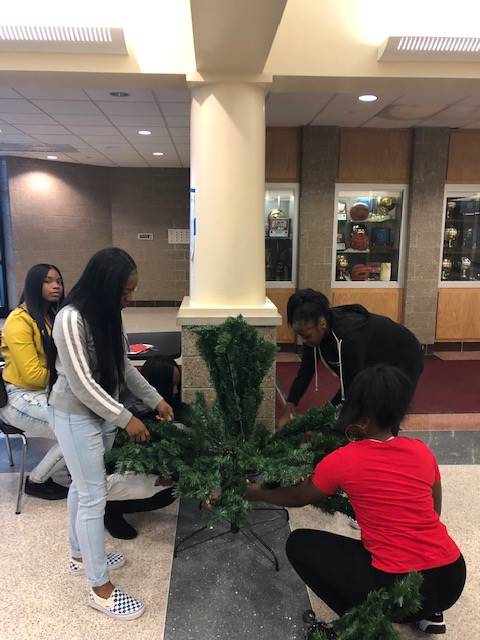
347, 340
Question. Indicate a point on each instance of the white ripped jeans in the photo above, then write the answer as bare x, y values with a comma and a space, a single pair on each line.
28, 410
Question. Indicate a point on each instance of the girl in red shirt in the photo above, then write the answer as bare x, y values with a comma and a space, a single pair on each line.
393, 484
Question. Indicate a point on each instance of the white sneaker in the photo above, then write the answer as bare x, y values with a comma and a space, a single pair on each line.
119, 605
114, 561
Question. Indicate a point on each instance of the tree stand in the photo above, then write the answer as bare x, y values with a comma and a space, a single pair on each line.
247, 531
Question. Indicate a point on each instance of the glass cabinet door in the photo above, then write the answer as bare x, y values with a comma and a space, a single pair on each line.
281, 203
461, 238
369, 237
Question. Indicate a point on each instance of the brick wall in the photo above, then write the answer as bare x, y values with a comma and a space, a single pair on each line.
60, 213
153, 200
63, 213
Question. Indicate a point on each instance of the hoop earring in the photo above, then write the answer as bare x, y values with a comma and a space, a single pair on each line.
354, 438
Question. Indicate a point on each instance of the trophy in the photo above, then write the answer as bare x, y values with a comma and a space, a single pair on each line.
465, 268
342, 264
446, 268
451, 209
467, 241
359, 238
451, 235
386, 204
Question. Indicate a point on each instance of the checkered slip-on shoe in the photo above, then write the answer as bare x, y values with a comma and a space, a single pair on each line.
119, 605
114, 561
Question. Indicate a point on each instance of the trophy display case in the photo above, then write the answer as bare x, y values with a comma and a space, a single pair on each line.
368, 243
281, 229
460, 259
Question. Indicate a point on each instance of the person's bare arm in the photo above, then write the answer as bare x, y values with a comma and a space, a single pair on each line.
297, 496
437, 497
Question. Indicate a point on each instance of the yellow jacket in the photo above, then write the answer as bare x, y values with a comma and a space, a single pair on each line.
22, 350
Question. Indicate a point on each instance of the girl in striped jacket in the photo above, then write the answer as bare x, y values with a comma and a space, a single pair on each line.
89, 371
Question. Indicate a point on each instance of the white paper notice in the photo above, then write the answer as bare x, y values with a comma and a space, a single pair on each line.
193, 223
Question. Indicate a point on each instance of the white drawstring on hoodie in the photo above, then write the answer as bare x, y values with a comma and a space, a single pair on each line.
339, 349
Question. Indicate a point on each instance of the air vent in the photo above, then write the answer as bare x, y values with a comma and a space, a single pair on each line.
50, 39
430, 49
22, 147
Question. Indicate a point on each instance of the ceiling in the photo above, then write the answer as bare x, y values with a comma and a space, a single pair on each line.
98, 128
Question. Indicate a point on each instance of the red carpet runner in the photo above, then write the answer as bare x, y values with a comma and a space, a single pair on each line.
445, 387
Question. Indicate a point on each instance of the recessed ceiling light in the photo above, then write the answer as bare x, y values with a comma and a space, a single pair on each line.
144, 132
368, 97
158, 153
52, 157
119, 94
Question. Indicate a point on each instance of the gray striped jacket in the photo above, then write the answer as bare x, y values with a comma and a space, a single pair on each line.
77, 391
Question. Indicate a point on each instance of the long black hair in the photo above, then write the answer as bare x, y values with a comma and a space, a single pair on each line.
32, 299
306, 306
98, 297
381, 393
158, 371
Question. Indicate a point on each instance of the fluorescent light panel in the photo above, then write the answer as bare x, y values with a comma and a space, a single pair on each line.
65, 34
66, 39
430, 49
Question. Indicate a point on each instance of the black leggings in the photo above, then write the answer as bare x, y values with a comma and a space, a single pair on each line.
339, 570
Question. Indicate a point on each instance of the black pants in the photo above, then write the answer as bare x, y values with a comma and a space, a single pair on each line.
339, 570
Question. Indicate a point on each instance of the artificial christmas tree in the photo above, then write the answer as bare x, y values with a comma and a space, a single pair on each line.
222, 446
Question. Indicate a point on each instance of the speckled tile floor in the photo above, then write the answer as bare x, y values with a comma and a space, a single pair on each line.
222, 590
39, 600
461, 514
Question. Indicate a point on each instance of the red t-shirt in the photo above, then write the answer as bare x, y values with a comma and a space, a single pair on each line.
389, 485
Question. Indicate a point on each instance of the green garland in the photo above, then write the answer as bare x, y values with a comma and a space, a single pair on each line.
372, 620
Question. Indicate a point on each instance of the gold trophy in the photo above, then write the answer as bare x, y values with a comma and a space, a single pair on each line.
465, 268
386, 204
451, 235
342, 264
447, 265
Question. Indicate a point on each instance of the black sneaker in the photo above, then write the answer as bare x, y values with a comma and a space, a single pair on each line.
434, 624
48, 490
116, 525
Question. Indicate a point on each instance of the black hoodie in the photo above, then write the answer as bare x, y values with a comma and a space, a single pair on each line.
355, 340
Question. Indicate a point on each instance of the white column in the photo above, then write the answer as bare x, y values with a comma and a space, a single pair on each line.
227, 262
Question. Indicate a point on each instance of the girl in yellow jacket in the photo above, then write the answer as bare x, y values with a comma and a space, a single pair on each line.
25, 339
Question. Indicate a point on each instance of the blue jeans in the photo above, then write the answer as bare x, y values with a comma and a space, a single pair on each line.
83, 441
